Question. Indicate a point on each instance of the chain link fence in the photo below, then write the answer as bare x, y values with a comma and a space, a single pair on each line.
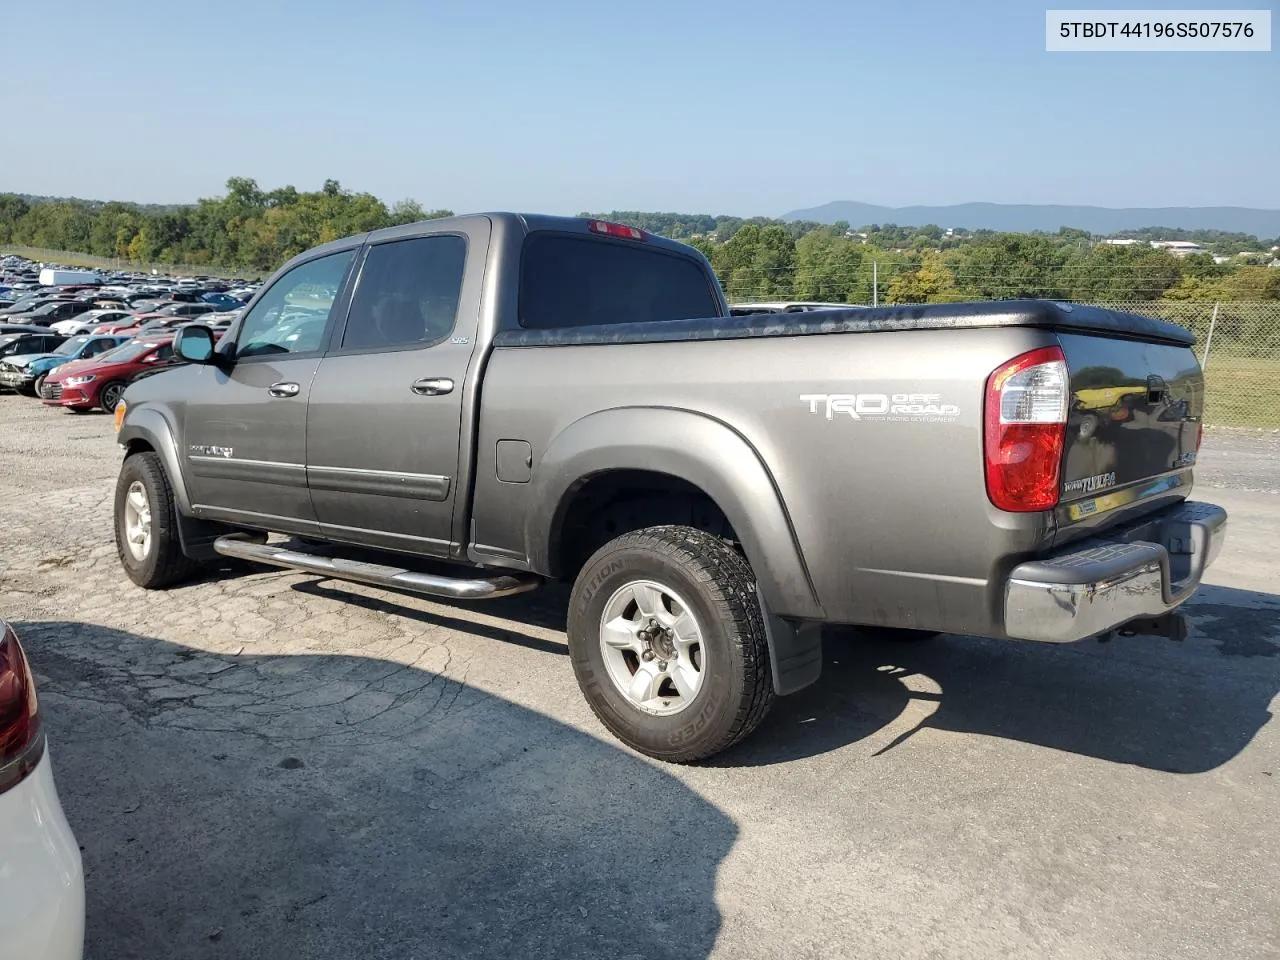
1238, 343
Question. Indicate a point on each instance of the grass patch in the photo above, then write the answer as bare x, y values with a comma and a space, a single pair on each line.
1242, 391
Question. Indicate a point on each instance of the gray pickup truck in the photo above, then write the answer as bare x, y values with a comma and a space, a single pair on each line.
471, 407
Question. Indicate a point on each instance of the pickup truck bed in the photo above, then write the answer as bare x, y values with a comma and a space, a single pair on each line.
532, 398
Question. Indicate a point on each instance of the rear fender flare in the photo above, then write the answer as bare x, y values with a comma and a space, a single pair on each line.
692, 447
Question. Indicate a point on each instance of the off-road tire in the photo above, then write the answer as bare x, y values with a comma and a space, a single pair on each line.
716, 581
164, 564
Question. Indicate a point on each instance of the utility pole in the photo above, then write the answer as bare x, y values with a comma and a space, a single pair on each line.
875, 283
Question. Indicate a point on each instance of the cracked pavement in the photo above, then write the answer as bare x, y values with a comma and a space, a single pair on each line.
270, 764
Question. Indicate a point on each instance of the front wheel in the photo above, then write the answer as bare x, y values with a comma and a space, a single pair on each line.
146, 522
668, 643
32, 390
111, 394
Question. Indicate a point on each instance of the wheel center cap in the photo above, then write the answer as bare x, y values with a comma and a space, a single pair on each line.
659, 639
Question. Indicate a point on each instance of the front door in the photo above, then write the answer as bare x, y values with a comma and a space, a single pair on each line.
246, 422
386, 405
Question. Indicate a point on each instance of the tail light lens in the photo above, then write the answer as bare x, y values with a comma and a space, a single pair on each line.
21, 743
1199, 434
1025, 430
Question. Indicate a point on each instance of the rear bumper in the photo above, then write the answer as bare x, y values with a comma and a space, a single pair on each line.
42, 908
1145, 570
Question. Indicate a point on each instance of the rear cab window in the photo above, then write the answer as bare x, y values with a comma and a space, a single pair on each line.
567, 280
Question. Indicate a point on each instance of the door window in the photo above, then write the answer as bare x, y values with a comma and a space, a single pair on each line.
96, 347
408, 294
292, 316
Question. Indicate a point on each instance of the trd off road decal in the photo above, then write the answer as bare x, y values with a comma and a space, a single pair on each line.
905, 407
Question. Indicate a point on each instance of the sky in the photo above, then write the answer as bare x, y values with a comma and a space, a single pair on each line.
702, 106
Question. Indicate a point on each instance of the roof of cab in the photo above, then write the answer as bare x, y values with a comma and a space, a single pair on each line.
522, 222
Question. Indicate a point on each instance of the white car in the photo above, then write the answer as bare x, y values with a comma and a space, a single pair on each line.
87, 321
41, 877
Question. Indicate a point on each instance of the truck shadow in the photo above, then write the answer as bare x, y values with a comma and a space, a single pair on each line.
1176, 707
338, 806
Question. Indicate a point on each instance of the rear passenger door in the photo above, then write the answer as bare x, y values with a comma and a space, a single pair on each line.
387, 402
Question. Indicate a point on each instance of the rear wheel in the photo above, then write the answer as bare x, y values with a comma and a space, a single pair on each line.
34, 389
111, 394
668, 643
146, 523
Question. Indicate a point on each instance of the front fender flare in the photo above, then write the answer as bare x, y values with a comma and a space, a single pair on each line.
151, 427
692, 447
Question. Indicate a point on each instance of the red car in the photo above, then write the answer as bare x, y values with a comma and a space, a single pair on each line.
128, 324
100, 381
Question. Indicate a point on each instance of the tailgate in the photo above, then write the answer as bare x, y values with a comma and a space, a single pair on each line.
1133, 428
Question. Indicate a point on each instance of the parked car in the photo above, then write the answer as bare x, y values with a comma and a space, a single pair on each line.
129, 322
20, 328
148, 323
100, 381
222, 301
50, 313
220, 321
185, 309
88, 321
26, 373
544, 398
18, 344
27, 304
42, 905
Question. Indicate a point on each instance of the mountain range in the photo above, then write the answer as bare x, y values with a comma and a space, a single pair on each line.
1023, 218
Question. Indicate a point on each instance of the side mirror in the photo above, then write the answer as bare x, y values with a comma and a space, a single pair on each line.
194, 344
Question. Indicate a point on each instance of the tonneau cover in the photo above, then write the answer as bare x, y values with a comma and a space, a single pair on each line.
934, 316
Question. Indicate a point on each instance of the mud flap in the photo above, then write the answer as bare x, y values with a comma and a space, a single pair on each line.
795, 650
196, 537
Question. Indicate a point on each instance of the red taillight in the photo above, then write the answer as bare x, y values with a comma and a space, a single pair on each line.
1199, 435
20, 744
615, 230
1025, 430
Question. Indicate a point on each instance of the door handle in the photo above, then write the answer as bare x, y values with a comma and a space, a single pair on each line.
283, 389
432, 386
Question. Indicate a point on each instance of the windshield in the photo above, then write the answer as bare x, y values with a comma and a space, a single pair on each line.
123, 354
71, 346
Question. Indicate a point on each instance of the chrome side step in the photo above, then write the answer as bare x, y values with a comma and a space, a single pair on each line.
376, 574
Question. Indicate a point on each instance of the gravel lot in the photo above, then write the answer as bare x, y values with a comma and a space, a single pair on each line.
266, 764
